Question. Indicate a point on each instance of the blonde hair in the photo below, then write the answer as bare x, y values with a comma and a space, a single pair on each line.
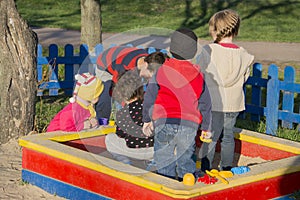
223, 24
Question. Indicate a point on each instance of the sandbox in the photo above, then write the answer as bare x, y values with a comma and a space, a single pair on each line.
77, 166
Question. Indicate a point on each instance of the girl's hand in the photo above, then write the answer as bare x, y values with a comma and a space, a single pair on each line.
148, 129
94, 123
86, 124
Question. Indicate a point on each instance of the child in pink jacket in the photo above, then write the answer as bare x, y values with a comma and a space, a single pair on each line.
79, 114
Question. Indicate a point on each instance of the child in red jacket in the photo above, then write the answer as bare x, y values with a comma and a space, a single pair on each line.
176, 103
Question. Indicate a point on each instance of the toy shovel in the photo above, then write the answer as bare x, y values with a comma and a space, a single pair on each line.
215, 173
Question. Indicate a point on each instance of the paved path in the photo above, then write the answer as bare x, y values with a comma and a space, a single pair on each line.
263, 51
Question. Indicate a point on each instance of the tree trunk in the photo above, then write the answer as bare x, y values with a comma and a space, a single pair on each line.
91, 25
18, 47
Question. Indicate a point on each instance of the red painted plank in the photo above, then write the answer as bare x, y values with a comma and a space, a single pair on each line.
97, 145
98, 141
85, 178
256, 150
262, 190
94, 144
119, 189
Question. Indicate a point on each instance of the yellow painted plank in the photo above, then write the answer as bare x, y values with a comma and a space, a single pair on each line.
80, 135
284, 146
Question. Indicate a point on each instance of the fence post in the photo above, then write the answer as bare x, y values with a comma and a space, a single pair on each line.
84, 59
53, 54
69, 68
272, 100
151, 50
288, 97
98, 50
256, 90
39, 68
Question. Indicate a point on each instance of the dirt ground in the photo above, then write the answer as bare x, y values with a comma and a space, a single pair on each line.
11, 185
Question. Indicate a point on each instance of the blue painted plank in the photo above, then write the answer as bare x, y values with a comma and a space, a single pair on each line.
273, 72
272, 107
253, 109
272, 100
62, 60
53, 67
288, 97
39, 66
290, 87
151, 50
59, 188
57, 85
289, 116
262, 82
69, 68
256, 90
164, 51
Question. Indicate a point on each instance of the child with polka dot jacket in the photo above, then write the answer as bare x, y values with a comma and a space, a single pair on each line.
129, 140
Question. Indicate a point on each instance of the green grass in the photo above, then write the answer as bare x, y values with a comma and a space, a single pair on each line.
46, 108
272, 20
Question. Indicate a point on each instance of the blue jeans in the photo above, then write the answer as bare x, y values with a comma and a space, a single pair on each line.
221, 123
173, 149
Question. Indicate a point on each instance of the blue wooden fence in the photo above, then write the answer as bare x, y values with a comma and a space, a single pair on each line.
280, 97
270, 97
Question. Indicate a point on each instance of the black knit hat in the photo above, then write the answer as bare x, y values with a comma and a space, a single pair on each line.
183, 44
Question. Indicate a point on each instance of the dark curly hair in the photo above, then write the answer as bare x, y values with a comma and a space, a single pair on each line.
155, 60
129, 86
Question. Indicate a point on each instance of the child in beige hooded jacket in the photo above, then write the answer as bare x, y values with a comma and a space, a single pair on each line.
226, 67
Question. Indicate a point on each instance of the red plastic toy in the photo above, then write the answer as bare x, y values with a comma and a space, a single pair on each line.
206, 179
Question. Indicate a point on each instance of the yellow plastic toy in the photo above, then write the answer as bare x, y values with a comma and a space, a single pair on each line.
189, 179
226, 174
220, 175
205, 137
198, 164
111, 123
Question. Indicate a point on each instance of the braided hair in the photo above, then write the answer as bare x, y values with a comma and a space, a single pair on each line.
223, 24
